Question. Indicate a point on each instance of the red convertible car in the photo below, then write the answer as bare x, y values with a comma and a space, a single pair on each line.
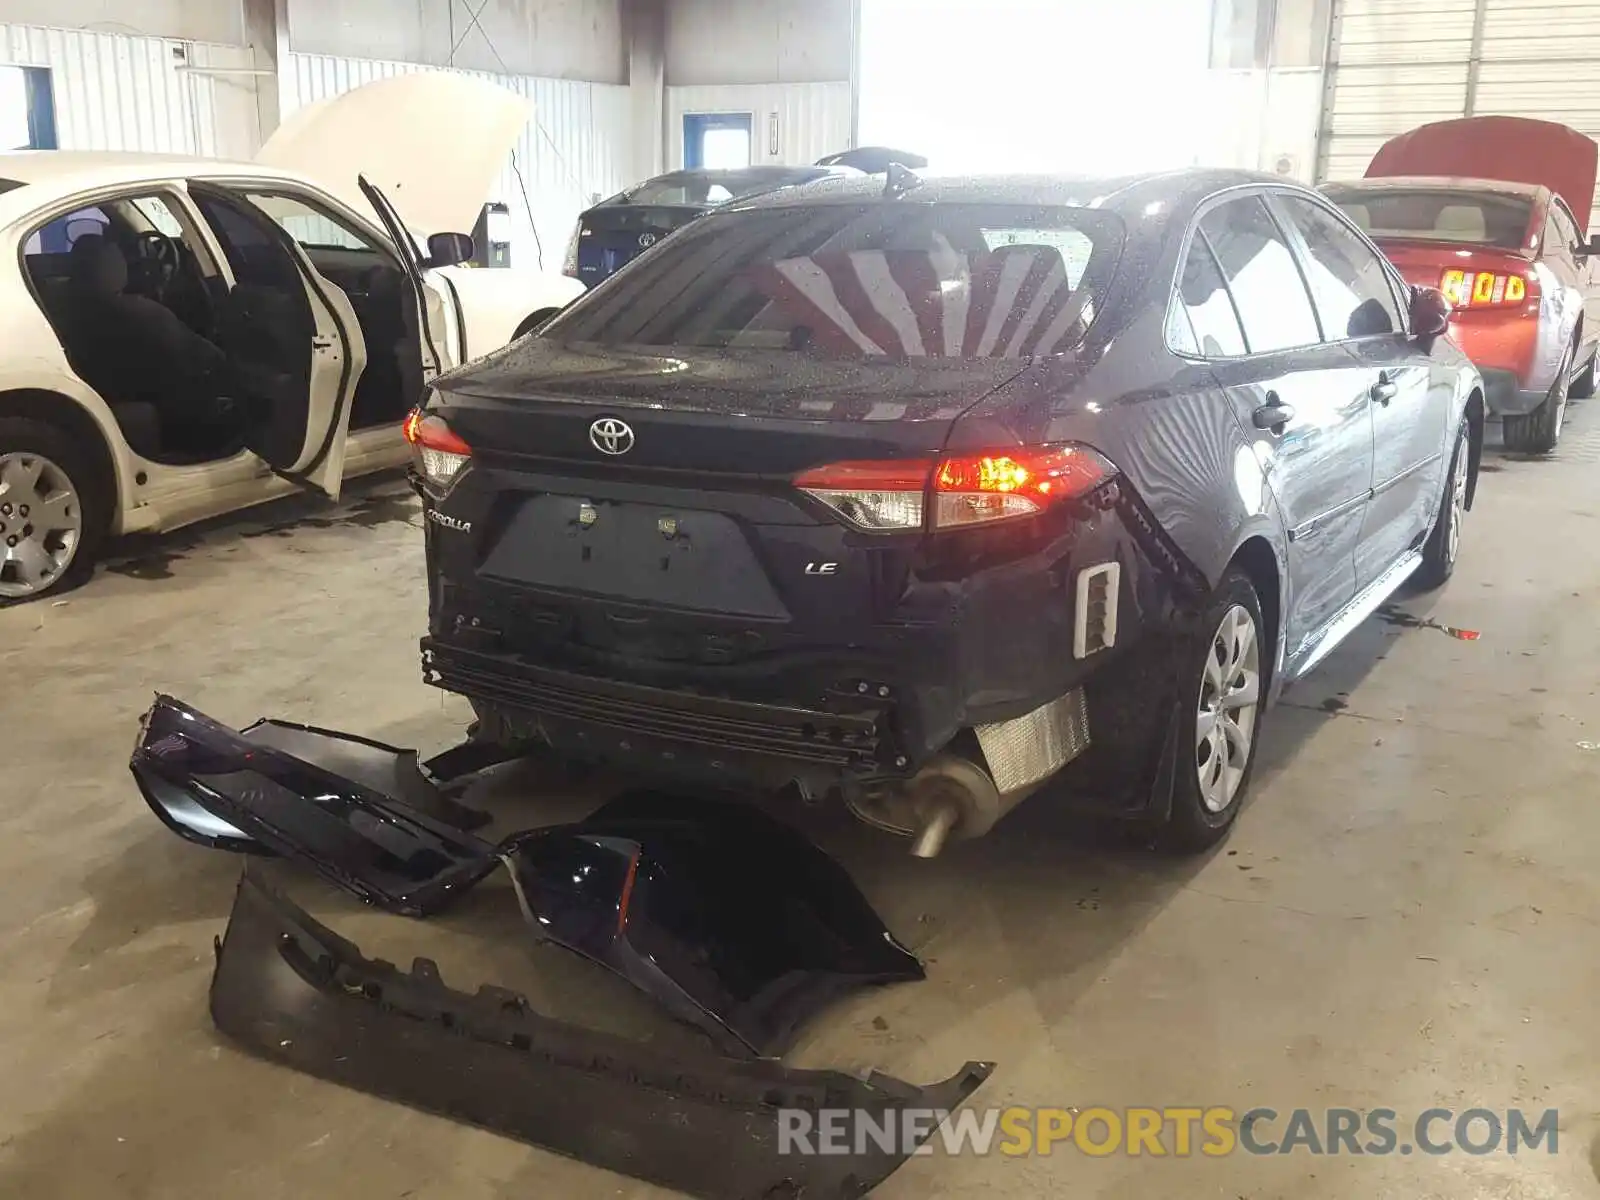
1494, 212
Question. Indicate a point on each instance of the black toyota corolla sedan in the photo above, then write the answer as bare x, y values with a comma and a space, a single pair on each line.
932, 494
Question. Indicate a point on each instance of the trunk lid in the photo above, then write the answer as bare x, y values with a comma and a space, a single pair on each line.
612, 235
749, 414
690, 544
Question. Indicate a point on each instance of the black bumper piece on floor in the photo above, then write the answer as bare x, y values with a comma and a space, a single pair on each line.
294, 992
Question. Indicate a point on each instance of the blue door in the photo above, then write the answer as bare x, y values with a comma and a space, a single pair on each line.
27, 109
717, 140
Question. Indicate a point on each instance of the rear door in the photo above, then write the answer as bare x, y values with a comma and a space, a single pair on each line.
1411, 398
1301, 401
294, 341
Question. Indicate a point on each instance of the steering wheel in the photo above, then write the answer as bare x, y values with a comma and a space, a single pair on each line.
157, 248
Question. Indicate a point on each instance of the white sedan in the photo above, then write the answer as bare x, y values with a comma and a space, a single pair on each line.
181, 338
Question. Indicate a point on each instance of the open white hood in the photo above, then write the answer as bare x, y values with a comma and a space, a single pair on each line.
433, 143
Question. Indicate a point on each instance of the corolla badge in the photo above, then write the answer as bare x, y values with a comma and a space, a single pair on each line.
449, 522
649, 239
611, 436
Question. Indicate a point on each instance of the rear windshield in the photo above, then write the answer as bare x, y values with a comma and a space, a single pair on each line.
885, 280
716, 188
1474, 218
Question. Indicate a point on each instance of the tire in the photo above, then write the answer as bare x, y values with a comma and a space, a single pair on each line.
1583, 386
1539, 431
532, 321
45, 463
1202, 812
1439, 552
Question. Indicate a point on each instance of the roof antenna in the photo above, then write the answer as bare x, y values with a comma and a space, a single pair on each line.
900, 180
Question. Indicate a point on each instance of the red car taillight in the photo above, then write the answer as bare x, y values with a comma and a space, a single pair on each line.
1483, 289
438, 451
956, 491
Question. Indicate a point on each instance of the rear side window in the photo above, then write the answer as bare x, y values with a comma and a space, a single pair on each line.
1266, 285
58, 236
1348, 282
880, 280
1203, 297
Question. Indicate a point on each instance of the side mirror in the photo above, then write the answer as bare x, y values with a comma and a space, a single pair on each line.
1587, 248
448, 249
1430, 312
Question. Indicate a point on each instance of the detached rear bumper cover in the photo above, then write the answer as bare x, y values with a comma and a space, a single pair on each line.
732, 921
292, 991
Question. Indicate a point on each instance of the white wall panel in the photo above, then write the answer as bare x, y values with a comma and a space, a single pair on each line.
813, 118
189, 20
757, 41
578, 144
559, 39
116, 92
1260, 121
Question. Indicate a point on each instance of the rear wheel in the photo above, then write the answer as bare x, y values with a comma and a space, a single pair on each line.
1223, 692
1439, 553
1539, 431
54, 510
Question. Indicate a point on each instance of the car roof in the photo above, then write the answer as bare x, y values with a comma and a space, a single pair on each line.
48, 175
1115, 193
1438, 183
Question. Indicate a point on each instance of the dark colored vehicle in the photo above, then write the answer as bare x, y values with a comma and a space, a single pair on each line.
616, 231
935, 493
1484, 209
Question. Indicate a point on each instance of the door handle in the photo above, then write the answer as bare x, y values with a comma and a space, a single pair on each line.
321, 343
1273, 415
1385, 389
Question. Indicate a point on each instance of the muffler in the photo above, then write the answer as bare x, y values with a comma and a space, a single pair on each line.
956, 796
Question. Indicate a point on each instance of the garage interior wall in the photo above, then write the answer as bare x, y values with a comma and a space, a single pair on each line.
785, 62
119, 91
1396, 65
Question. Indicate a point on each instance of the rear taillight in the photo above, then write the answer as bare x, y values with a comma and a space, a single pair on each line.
1483, 289
437, 450
569, 265
956, 491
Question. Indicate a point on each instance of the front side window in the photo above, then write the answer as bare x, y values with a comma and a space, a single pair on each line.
877, 280
1348, 282
1565, 238
311, 227
1262, 276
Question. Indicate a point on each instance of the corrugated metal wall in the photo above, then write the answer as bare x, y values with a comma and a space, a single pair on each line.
578, 144
1397, 64
813, 118
118, 92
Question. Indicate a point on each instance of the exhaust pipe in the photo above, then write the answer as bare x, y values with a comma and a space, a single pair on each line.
950, 797
956, 796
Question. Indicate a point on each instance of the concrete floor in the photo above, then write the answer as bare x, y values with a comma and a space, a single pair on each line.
1404, 917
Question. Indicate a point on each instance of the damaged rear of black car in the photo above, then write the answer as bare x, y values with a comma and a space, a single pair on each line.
932, 493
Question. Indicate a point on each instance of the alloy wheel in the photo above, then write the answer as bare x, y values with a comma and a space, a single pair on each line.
1458, 503
1230, 696
41, 523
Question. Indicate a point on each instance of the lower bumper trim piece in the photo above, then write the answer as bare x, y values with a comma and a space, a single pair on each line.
292, 991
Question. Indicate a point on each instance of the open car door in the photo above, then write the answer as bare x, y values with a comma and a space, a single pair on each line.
430, 306
294, 340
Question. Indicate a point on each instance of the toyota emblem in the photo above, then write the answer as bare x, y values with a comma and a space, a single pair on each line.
648, 239
611, 436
